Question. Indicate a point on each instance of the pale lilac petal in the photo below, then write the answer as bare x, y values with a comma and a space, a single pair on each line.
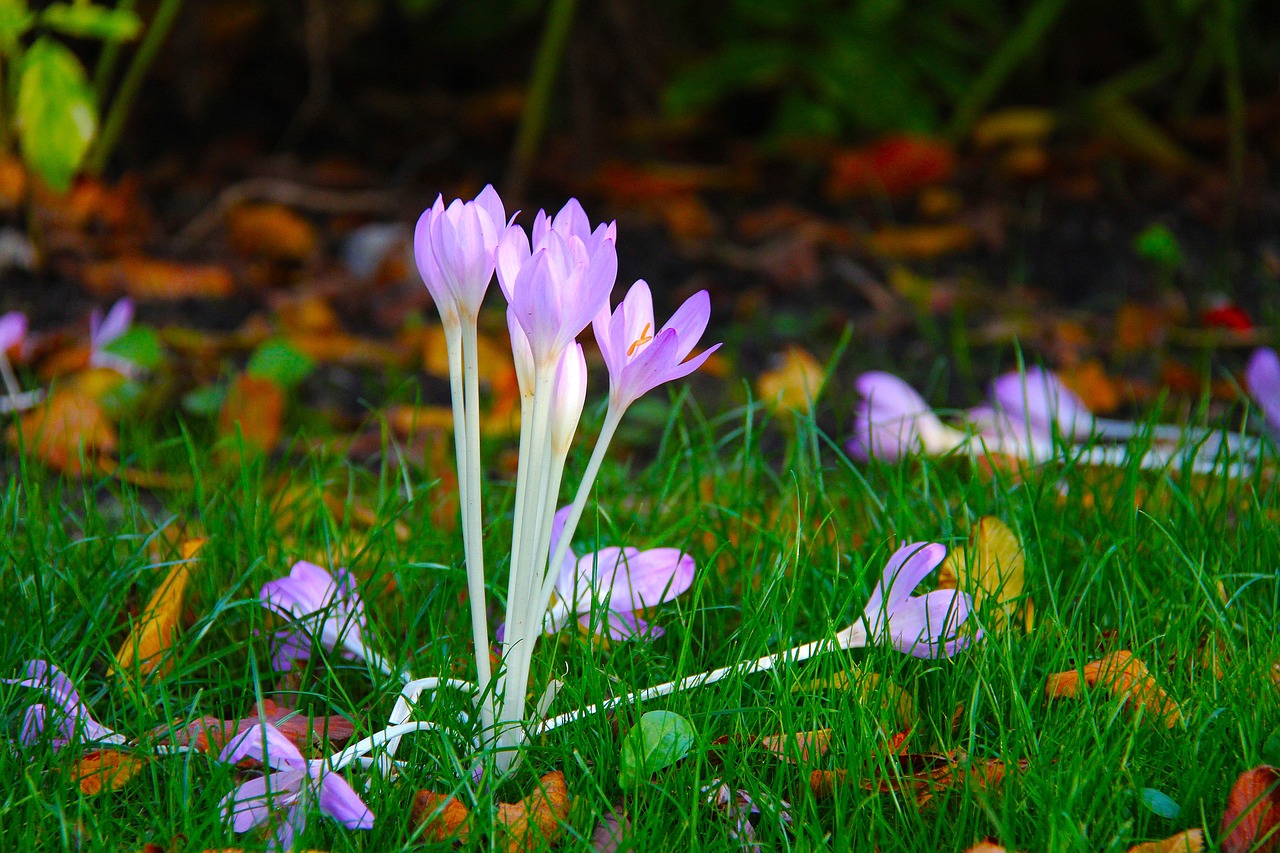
288, 646
892, 421
339, 801
1040, 400
456, 247
566, 576
689, 322
424, 254
287, 830
117, 322
250, 803
622, 627
265, 743
569, 395
521, 354
634, 580
13, 330
907, 567
33, 722
920, 625
1262, 378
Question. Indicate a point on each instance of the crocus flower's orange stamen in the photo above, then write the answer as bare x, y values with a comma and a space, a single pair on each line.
644, 338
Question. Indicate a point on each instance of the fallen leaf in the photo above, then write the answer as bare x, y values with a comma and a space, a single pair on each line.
210, 734
254, 410
1140, 327
986, 846
921, 241
13, 182
610, 832
538, 817
270, 231
792, 383
105, 770
1126, 678
1251, 821
992, 570
441, 817
1013, 125
1090, 382
895, 165
1188, 841
798, 748
67, 432
151, 278
151, 637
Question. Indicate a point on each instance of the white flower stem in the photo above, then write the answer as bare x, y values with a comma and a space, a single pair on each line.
409, 697
1116, 456
472, 514
11, 384
352, 753
1211, 439
795, 654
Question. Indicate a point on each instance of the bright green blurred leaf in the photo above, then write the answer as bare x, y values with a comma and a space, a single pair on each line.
279, 361
1161, 803
85, 20
1159, 245
56, 115
15, 20
204, 401
661, 739
139, 345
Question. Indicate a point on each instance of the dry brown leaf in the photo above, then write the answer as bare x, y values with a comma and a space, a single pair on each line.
67, 432
270, 231
151, 637
105, 770
1126, 678
800, 747
13, 182
210, 734
992, 569
792, 383
254, 408
921, 241
538, 816
1251, 820
1090, 382
441, 817
151, 278
1188, 841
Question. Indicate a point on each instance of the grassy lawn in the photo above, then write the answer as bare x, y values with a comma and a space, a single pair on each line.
789, 538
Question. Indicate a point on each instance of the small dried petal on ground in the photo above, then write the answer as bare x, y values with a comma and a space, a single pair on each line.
1125, 677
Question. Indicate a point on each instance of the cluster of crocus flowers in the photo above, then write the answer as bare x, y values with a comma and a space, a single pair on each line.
1031, 415
557, 279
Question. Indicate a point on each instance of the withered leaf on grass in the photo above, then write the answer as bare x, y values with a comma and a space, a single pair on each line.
69, 432
105, 770
1126, 678
154, 634
1251, 820
798, 748
538, 817
922, 775
210, 734
254, 408
1188, 841
151, 278
993, 570
792, 383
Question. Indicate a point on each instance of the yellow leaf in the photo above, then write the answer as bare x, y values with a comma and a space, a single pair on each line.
1189, 841
992, 569
154, 634
792, 383
1126, 678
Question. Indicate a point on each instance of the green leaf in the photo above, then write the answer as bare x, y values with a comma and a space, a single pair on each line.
660, 740
139, 345
279, 361
1159, 245
1161, 803
1271, 749
85, 20
15, 20
205, 401
56, 116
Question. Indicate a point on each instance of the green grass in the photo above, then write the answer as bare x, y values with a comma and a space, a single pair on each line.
789, 537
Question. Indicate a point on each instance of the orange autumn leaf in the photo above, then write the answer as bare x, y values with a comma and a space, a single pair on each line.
1126, 678
1188, 841
151, 278
798, 748
792, 383
921, 241
441, 817
539, 817
254, 409
1090, 382
270, 231
895, 165
69, 430
13, 182
986, 847
1251, 820
151, 637
105, 770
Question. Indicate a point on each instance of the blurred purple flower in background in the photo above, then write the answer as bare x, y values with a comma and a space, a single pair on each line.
892, 422
1262, 378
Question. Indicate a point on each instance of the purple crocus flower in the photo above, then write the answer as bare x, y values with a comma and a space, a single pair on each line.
1038, 404
294, 781
640, 359
1262, 378
892, 422
925, 626
102, 331
555, 284
324, 610
62, 706
455, 249
624, 580
13, 330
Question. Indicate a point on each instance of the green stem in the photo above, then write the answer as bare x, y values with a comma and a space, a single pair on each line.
105, 143
533, 118
108, 59
1021, 44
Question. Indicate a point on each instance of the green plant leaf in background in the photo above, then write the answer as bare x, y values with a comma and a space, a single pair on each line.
85, 20
15, 20
1158, 245
204, 401
661, 739
139, 345
1161, 803
279, 361
56, 115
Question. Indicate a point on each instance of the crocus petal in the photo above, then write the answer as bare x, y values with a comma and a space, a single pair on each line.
1040, 400
250, 803
117, 322
633, 580
922, 623
265, 743
892, 421
13, 330
33, 722
1262, 378
569, 395
339, 801
622, 627
289, 646
455, 247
